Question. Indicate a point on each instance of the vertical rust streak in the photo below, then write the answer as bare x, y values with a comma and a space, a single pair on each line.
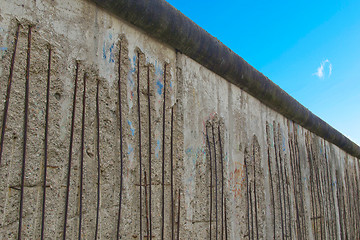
146, 207
163, 161
279, 183
209, 148
281, 166
339, 204
349, 205
149, 113
271, 181
216, 184
26, 116
222, 184
178, 220
316, 174
300, 184
252, 214
312, 192
288, 200
248, 196
293, 173
82, 156
121, 147
98, 158
255, 198
330, 195
8, 91
70, 153
139, 126
172, 175
46, 146
328, 188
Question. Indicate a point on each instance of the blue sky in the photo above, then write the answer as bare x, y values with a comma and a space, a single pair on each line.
311, 49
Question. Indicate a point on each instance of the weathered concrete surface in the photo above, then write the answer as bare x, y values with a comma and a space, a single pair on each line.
238, 169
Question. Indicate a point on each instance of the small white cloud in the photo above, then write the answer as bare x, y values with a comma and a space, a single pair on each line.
320, 73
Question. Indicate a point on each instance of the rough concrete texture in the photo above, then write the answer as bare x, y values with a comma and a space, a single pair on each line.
223, 165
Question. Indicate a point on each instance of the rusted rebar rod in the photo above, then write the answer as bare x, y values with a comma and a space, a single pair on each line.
82, 156
98, 158
172, 174
216, 184
146, 207
26, 116
139, 126
178, 220
121, 145
163, 160
8, 91
46, 146
149, 115
70, 153
222, 183
209, 149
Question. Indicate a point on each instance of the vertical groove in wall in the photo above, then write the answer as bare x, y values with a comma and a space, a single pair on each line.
46, 146
8, 91
70, 153
26, 116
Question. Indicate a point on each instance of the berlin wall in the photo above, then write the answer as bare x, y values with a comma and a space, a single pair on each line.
125, 120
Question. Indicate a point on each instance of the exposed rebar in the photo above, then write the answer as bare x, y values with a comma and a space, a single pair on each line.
70, 153
46, 146
26, 116
8, 91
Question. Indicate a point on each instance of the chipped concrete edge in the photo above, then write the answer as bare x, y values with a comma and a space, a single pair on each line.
162, 21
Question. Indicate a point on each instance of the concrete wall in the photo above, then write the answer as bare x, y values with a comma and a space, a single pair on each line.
89, 102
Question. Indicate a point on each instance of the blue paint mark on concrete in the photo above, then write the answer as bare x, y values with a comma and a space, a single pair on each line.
111, 57
104, 52
188, 150
132, 129
158, 148
159, 86
130, 149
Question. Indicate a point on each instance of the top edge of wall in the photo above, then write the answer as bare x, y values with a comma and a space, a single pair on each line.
164, 22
